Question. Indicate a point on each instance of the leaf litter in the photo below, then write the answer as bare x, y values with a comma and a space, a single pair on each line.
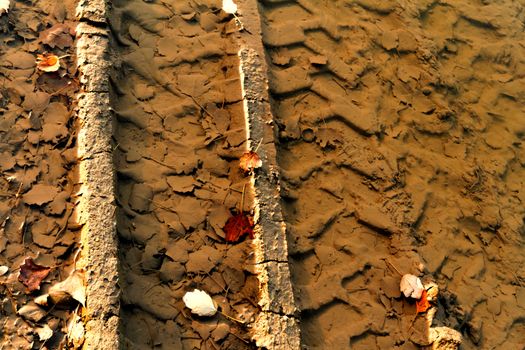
32, 275
39, 159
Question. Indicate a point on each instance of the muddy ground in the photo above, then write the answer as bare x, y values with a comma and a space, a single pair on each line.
180, 130
401, 140
38, 163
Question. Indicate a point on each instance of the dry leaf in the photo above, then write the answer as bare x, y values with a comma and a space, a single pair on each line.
249, 161
75, 332
200, 303
422, 305
3, 270
32, 312
71, 287
42, 300
44, 333
411, 286
48, 62
31, 274
60, 35
237, 227
229, 6
4, 6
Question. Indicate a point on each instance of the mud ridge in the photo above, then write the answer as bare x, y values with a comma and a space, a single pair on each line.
387, 116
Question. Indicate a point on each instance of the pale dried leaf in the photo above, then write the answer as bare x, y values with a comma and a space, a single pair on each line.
200, 303
75, 332
32, 312
4, 6
44, 333
73, 287
411, 286
229, 6
42, 300
249, 161
3, 270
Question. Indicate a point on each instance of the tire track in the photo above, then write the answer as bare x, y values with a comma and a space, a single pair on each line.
387, 150
180, 129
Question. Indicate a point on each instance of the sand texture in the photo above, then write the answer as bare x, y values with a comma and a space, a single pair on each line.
400, 139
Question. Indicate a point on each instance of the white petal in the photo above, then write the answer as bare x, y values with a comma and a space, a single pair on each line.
200, 303
229, 6
411, 286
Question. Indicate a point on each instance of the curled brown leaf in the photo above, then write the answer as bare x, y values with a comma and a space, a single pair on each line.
238, 226
249, 161
32, 274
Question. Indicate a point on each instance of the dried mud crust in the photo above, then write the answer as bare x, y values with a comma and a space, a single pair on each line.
180, 130
38, 163
400, 138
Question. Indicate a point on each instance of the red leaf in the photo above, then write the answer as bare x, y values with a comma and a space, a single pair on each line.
238, 226
422, 304
249, 161
31, 274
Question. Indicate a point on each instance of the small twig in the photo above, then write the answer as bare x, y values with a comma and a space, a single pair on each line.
158, 205
161, 163
231, 318
243, 340
17, 195
258, 145
392, 265
242, 199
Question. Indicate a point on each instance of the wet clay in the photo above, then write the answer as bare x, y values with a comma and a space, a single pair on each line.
401, 147
38, 164
180, 131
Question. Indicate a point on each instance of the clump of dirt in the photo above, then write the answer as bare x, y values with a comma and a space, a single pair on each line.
401, 145
38, 165
180, 132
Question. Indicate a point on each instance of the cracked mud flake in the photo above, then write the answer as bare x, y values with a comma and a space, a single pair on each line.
37, 139
179, 129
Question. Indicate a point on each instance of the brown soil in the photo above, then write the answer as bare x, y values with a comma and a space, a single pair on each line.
400, 128
38, 164
180, 131
400, 151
